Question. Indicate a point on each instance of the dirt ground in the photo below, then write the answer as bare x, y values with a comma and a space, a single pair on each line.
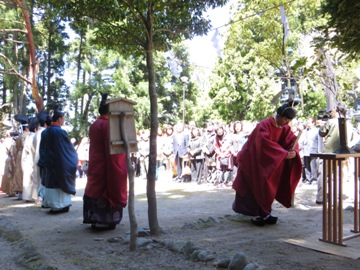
29, 234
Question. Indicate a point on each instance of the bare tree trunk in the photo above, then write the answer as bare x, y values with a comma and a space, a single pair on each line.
79, 57
151, 176
78, 72
131, 201
14, 82
329, 81
48, 64
23, 98
3, 95
34, 67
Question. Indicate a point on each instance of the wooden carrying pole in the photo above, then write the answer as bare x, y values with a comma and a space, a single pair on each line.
131, 172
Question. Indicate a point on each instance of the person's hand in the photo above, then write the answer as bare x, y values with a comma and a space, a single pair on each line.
291, 154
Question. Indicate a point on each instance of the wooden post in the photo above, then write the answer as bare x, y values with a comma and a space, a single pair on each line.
123, 140
131, 172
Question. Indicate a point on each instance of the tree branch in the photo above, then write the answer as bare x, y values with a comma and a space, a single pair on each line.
16, 41
7, 72
13, 30
14, 69
7, 20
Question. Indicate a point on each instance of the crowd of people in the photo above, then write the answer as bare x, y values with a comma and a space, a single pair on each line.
41, 162
262, 161
195, 154
41, 165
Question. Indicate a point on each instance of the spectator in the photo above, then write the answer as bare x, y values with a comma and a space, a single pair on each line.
209, 153
196, 156
309, 134
144, 151
159, 154
167, 149
83, 154
180, 146
236, 142
224, 160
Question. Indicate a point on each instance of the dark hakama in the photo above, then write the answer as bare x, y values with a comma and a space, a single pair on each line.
99, 211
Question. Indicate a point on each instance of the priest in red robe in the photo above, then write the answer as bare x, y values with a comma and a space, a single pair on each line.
106, 189
269, 167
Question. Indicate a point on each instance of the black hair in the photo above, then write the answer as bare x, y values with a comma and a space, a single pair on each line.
42, 116
103, 108
57, 114
33, 124
48, 120
287, 110
217, 129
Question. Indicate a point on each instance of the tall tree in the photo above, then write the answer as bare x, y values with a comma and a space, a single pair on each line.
33, 62
257, 66
13, 56
343, 27
26, 71
52, 49
141, 28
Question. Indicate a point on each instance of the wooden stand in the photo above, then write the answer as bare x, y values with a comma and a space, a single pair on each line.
333, 213
123, 140
122, 108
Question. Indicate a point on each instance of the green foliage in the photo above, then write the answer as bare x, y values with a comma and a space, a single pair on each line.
343, 24
127, 77
258, 67
13, 49
52, 47
313, 102
125, 25
244, 82
334, 75
129, 29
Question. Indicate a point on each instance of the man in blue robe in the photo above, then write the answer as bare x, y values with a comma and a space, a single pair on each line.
59, 164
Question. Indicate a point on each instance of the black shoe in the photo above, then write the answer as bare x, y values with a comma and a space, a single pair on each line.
258, 221
61, 210
270, 220
318, 202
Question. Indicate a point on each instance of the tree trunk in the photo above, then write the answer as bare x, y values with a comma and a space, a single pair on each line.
23, 96
151, 176
14, 82
131, 201
3, 94
329, 81
48, 64
34, 67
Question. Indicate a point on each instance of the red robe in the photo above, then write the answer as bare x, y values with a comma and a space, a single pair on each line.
107, 174
263, 169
